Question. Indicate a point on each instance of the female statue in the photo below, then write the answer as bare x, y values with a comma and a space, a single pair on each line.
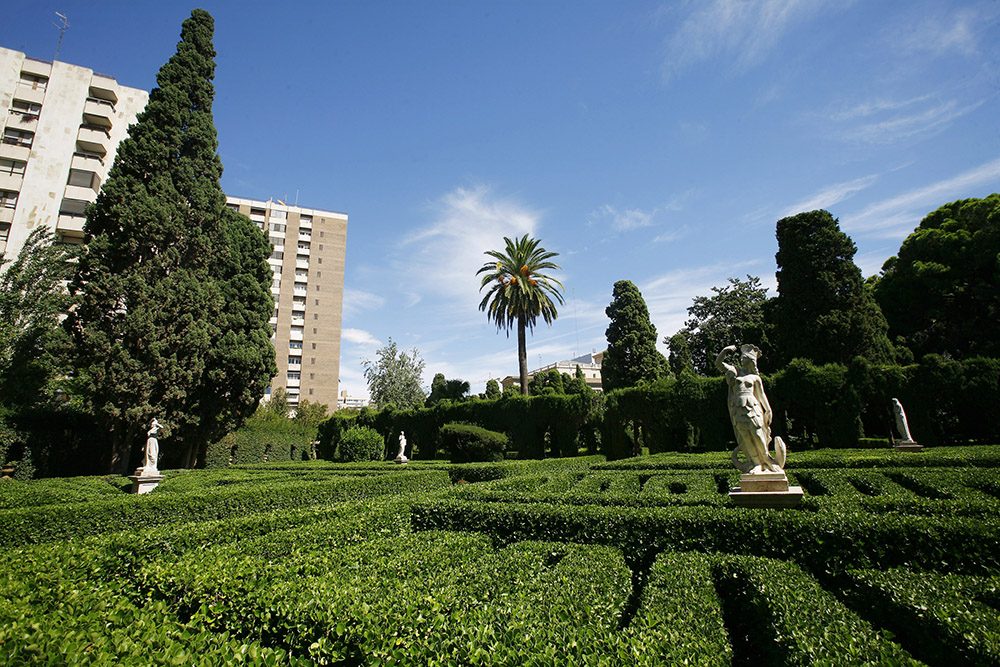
750, 412
152, 448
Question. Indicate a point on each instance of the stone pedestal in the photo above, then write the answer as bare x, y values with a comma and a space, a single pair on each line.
143, 482
768, 489
907, 446
401, 460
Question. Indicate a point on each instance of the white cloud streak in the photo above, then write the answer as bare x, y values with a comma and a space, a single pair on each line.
359, 337
830, 195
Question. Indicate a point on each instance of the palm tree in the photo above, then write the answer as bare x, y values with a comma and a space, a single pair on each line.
519, 292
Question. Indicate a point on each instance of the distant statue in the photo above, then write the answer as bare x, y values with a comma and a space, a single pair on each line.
401, 455
902, 427
750, 413
152, 448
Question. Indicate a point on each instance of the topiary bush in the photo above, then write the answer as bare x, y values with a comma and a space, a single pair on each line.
469, 444
360, 443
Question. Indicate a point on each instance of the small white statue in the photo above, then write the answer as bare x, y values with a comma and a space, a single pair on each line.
152, 454
750, 413
901, 425
401, 455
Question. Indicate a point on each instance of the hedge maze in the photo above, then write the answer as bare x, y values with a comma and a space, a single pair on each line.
890, 559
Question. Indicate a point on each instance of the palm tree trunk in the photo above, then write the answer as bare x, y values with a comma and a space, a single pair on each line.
522, 354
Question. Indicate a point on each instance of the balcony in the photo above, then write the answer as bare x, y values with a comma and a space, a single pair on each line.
301, 263
23, 120
299, 305
81, 193
104, 88
36, 67
302, 277
302, 251
295, 333
27, 92
87, 162
92, 139
11, 182
14, 151
72, 223
293, 382
6, 215
98, 112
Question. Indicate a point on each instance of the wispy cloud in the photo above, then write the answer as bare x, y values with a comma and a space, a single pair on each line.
830, 195
942, 33
441, 259
897, 216
356, 301
926, 121
359, 337
621, 221
744, 31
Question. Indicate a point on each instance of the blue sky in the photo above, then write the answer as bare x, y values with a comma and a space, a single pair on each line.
657, 142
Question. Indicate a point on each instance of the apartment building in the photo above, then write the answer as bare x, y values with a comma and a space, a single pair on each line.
61, 125
307, 263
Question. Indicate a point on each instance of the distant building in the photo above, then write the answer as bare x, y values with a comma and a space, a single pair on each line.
346, 401
310, 247
589, 364
61, 126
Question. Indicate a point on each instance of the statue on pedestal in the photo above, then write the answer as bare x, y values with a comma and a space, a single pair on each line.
901, 425
401, 456
152, 453
750, 413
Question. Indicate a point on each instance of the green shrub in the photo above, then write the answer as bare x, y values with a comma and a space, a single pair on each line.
360, 443
470, 444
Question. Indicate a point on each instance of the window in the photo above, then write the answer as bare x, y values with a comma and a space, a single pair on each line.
277, 254
317, 288
275, 227
319, 274
294, 361
82, 179
321, 233
294, 375
18, 137
314, 346
319, 260
320, 246
96, 128
277, 215
312, 361
256, 211
315, 316
27, 110
34, 80
303, 246
295, 345
8, 199
306, 218
233, 207
312, 376
310, 391
12, 167
276, 242
4, 230
317, 302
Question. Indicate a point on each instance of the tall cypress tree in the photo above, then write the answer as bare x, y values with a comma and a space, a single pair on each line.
174, 288
632, 356
824, 312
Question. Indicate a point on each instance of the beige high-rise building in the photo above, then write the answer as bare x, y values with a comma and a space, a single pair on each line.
310, 248
61, 126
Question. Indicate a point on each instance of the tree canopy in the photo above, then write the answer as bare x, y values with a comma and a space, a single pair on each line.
823, 312
520, 292
446, 390
394, 377
941, 291
734, 315
174, 288
631, 356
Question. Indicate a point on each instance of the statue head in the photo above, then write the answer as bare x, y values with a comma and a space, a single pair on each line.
749, 353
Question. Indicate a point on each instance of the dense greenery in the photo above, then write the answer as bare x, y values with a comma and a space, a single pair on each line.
519, 292
394, 377
941, 292
891, 559
174, 297
466, 443
631, 357
360, 443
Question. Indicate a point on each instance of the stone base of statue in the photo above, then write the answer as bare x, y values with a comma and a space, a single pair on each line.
765, 489
143, 481
401, 460
906, 446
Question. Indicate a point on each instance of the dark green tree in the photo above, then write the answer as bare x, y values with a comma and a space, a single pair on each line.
519, 292
679, 358
734, 315
631, 356
173, 287
941, 292
823, 311
32, 344
446, 390
394, 378
492, 389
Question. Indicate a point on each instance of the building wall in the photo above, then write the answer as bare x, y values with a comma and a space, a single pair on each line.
76, 119
310, 248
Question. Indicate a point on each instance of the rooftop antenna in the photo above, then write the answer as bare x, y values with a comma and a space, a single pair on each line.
62, 31
296, 196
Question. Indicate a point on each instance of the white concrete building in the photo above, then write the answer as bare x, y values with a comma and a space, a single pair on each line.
589, 364
61, 125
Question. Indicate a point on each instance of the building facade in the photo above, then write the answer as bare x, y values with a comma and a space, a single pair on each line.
307, 263
61, 126
589, 365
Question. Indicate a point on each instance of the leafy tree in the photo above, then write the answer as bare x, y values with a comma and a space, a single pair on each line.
734, 315
446, 390
31, 300
941, 292
394, 377
277, 407
823, 311
174, 288
492, 389
631, 356
679, 359
519, 292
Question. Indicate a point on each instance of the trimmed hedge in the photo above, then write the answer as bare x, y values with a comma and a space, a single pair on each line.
466, 443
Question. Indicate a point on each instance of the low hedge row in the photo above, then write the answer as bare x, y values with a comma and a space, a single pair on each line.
41, 524
55, 490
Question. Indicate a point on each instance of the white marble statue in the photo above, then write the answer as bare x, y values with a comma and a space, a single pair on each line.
401, 455
901, 425
750, 413
152, 449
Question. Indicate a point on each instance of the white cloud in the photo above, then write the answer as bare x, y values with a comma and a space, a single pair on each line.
742, 30
441, 259
897, 216
356, 301
359, 337
830, 195
620, 221
940, 34
923, 121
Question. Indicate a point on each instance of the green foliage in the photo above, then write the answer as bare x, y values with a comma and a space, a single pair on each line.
492, 390
360, 443
466, 443
519, 292
394, 377
735, 315
679, 360
174, 288
631, 357
941, 292
823, 311
446, 390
